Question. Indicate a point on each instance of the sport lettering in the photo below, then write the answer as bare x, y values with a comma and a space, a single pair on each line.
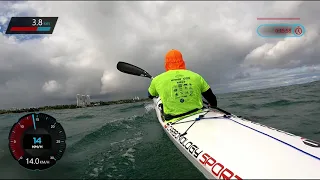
226, 174
211, 161
205, 156
217, 168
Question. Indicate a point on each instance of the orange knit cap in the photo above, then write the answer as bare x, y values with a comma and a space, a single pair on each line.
174, 60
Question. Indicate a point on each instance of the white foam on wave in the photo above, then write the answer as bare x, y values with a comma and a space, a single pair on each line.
117, 142
96, 171
129, 155
128, 127
98, 167
133, 141
132, 117
149, 107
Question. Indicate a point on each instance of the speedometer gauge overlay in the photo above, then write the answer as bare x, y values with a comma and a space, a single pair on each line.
37, 141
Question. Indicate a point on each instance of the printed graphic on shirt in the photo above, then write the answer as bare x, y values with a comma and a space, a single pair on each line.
182, 88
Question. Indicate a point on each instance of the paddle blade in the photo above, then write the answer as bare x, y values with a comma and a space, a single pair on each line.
132, 69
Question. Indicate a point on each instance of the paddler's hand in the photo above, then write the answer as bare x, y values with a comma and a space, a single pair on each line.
150, 96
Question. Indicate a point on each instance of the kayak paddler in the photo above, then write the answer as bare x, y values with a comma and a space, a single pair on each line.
180, 89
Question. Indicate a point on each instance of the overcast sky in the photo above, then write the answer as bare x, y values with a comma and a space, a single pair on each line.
218, 40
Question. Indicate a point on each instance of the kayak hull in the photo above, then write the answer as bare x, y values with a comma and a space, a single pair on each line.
229, 147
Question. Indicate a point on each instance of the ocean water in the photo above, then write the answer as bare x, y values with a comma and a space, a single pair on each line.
125, 141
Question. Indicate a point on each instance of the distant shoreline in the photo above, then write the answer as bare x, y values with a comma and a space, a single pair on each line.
70, 106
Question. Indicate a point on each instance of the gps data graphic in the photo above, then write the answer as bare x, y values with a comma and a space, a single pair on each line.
31, 25
280, 30
37, 141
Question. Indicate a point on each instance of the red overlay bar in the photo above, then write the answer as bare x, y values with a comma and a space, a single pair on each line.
23, 28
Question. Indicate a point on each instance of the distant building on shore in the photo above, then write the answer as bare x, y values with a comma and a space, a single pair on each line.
83, 100
136, 98
78, 99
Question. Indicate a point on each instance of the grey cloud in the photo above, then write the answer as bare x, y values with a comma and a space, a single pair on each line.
217, 39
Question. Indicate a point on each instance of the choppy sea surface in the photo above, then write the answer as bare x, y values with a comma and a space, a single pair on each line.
126, 141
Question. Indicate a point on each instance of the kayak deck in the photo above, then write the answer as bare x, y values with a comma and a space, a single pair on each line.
230, 147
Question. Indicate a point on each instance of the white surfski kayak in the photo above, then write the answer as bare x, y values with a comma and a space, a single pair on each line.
228, 147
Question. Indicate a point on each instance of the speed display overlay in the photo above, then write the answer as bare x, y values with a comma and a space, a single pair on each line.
37, 141
31, 25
